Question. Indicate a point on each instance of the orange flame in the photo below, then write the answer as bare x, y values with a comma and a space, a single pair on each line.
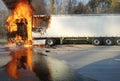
22, 10
12, 69
16, 63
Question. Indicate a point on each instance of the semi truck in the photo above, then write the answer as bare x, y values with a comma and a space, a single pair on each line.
96, 29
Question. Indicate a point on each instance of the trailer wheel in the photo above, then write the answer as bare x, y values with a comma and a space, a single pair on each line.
50, 42
96, 41
118, 41
108, 41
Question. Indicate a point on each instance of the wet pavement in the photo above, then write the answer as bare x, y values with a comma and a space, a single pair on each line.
6, 59
51, 69
99, 62
41, 68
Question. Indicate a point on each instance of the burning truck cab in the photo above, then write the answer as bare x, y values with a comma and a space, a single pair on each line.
20, 34
21, 31
21, 22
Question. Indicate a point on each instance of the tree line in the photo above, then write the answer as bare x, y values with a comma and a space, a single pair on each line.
92, 7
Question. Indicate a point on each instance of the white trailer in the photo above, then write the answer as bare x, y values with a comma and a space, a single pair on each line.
81, 29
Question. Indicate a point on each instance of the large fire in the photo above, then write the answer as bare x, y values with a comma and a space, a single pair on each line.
19, 27
19, 23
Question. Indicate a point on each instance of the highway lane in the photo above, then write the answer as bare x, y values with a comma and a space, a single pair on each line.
99, 62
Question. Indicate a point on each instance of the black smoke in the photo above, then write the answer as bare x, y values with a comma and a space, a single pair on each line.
39, 7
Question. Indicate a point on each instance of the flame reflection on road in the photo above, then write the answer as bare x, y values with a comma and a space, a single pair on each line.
44, 67
21, 59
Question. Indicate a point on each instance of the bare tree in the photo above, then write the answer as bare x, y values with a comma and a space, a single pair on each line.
115, 6
52, 8
99, 6
80, 9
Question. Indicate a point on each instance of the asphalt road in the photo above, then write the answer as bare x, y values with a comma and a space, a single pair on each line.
45, 68
5, 58
99, 62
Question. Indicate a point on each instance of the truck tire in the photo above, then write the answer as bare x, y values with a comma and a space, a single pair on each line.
96, 41
50, 42
108, 41
117, 41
